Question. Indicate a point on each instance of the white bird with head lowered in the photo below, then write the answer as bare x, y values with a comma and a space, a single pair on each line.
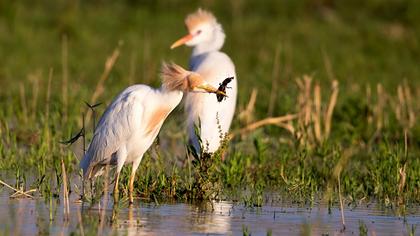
132, 121
206, 36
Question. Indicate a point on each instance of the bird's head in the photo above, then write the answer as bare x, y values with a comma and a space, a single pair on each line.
174, 77
203, 29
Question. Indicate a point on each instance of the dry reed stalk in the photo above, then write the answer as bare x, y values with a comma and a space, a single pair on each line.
347, 154
330, 109
405, 144
401, 184
402, 170
47, 99
308, 101
317, 115
380, 107
378, 111
343, 221
368, 101
99, 89
328, 66
401, 106
34, 79
274, 81
47, 107
19, 194
304, 133
409, 103
64, 67
404, 110
247, 115
23, 102
267, 121
16, 190
65, 193
300, 108
397, 106
311, 117
288, 125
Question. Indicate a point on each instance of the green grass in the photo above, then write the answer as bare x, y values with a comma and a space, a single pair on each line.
359, 43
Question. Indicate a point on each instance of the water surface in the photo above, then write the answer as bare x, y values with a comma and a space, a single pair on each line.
32, 217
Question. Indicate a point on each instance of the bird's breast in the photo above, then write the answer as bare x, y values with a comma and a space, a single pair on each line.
157, 116
214, 67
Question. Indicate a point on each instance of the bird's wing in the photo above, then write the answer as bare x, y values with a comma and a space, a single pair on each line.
117, 124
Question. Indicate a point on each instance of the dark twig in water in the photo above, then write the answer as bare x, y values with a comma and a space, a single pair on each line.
84, 136
92, 108
222, 88
74, 138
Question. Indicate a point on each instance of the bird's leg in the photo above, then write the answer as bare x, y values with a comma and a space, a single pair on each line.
136, 164
116, 191
131, 186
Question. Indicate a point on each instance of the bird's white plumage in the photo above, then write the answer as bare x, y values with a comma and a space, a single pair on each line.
122, 134
206, 36
133, 120
215, 117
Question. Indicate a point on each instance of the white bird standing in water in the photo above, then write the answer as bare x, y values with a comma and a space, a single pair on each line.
206, 36
133, 120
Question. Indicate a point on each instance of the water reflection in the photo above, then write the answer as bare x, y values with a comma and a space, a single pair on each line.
32, 217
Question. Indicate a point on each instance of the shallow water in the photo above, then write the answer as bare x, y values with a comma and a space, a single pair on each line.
32, 217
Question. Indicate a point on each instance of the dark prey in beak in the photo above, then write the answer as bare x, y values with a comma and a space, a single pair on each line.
222, 88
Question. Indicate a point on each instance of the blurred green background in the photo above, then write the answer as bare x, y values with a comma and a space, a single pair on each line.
365, 41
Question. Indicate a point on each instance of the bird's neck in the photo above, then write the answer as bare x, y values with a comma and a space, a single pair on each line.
172, 97
214, 44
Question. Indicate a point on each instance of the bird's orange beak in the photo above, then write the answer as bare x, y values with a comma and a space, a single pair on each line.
182, 41
210, 89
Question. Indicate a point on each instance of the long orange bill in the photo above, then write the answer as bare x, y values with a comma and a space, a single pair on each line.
182, 41
210, 89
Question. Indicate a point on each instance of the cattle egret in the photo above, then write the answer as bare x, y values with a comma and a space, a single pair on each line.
206, 36
133, 120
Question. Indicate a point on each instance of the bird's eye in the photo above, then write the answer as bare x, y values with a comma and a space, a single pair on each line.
198, 32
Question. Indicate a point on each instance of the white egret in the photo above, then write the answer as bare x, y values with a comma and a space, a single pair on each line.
133, 120
206, 36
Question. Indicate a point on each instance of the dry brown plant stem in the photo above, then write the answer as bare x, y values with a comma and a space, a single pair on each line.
267, 121
247, 115
330, 109
16, 190
65, 192
343, 221
99, 89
